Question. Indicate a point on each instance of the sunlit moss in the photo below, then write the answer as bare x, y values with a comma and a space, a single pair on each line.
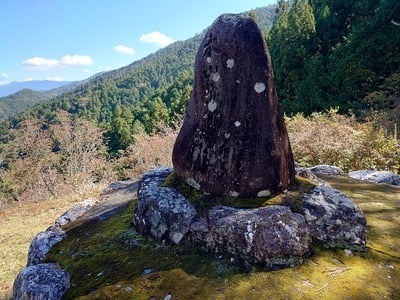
106, 260
103, 253
203, 201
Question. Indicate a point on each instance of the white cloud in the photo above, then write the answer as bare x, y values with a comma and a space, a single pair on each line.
157, 38
42, 63
4, 78
124, 49
76, 60
55, 78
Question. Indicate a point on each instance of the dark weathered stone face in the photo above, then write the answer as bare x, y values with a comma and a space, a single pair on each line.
233, 140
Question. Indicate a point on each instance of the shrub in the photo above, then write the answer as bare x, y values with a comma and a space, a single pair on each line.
330, 138
49, 159
43, 159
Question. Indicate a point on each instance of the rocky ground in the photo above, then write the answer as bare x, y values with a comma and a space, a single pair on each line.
108, 259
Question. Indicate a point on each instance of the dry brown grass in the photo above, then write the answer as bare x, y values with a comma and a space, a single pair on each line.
322, 138
19, 224
149, 152
330, 138
21, 221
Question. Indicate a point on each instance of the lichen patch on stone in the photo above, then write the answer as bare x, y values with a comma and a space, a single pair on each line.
230, 63
215, 77
233, 194
264, 193
193, 183
259, 87
212, 105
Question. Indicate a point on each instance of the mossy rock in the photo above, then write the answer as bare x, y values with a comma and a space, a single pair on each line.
106, 260
203, 201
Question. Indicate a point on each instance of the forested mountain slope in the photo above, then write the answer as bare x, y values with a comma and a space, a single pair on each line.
324, 56
337, 53
20, 101
138, 97
326, 53
36, 85
26, 98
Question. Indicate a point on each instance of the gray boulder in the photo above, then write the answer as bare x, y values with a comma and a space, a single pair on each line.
306, 173
75, 212
270, 235
40, 282
42, 243
161, 211
376, 176
33, 282
326, 170
335, 220
126, 186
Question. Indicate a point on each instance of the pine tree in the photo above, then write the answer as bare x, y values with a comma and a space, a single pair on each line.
290, 44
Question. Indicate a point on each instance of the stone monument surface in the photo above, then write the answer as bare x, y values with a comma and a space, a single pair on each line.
234, 141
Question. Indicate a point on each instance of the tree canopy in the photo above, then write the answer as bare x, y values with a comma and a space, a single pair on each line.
333, 53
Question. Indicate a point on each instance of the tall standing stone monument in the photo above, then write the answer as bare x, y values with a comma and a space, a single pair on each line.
233, 140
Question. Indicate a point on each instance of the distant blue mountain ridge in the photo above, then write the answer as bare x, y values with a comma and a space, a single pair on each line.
36, 85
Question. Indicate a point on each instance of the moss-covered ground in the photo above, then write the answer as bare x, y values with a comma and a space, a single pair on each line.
203, 201
109, 260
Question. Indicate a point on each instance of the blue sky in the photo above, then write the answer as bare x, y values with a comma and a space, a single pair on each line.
74, 39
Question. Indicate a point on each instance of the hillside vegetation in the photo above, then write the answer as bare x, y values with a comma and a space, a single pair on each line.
117, 125
321, 50
28, 97
68, 156
135, 98
337, 53
20, 101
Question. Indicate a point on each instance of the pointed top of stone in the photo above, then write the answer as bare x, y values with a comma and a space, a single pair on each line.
233, 140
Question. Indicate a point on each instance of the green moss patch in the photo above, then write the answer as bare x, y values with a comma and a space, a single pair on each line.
104, 253
203, 201
106, 260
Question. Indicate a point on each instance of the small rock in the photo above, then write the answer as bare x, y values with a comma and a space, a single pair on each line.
376, 176
335, 220
42, 243
100, 274
41, 281
161, 211
168, 297
348, 252
326, 170
390, 267
128, 289
147, 271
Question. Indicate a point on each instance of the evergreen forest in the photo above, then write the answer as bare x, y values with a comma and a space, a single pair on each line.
328, 55
336, 53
